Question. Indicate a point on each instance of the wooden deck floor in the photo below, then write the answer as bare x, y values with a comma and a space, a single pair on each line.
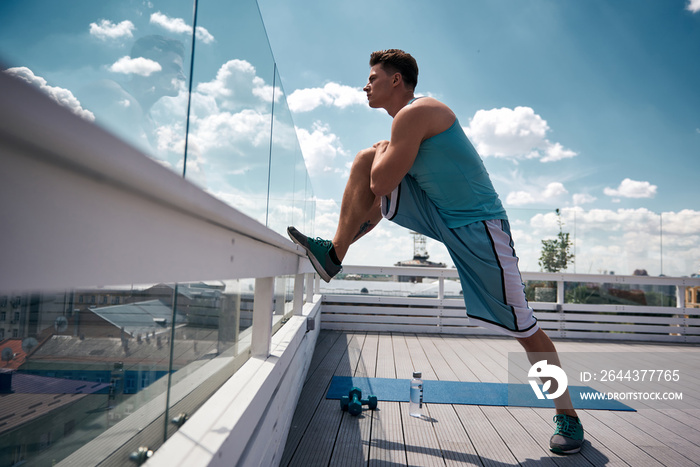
321, 434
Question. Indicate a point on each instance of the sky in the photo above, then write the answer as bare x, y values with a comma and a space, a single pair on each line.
587, 107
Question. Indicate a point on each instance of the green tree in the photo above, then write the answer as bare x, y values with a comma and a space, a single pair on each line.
556, 254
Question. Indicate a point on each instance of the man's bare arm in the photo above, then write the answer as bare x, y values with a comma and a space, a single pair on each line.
394, 158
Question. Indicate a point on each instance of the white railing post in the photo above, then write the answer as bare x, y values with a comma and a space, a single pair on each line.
262, 317
560, 292
298, 294
680, 296
280, 294
309, 288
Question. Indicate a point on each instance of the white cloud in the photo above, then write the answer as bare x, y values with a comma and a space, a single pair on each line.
135, 66
227, 129
236, 85
583, 198
515, 134
62, 96
693, 5
619, 240
108, 30
332, 94
553, 192
632, 189
178, 26
320, 148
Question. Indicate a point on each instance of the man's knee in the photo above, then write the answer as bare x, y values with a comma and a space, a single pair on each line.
364, 158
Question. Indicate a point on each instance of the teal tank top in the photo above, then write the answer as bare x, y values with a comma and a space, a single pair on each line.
452, 174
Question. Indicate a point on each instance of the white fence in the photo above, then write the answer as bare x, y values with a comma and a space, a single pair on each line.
445, 313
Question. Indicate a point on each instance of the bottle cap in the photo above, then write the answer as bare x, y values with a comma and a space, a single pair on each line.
417, 374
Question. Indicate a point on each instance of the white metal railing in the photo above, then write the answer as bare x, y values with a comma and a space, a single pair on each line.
445, 313
84, 209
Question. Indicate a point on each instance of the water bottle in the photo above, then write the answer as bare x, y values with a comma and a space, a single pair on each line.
416, 407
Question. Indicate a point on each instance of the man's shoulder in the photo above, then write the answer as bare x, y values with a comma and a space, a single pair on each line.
428, 106
428, 113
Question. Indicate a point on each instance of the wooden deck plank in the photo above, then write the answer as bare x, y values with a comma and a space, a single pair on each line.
472, 435
682, 437
367, 366
352, 441
538, 423
313, 394
387, 446
491, 448
519, 441
470, 353
316, 446
402, 360
457, 448
596, 453
600, 434
450, 353
422, 446
324, 344
386, 367
420, 360
633, 428
440, 364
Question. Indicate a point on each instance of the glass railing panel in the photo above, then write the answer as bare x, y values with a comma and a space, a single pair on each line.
231, 112
604, 241
620, 294
211, 345
121, 65
392, 285
78, 364
308, 200
285, 181
82, 361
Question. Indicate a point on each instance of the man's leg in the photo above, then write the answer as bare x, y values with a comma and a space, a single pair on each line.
568, 435
540, 343
359, 209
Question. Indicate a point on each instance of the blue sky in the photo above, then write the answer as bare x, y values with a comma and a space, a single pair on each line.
590, 107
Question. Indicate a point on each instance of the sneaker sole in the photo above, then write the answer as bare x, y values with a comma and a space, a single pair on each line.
570, 451
314, 262
559, 451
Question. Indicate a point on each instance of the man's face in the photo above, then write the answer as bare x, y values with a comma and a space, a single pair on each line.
379, 86
171, 77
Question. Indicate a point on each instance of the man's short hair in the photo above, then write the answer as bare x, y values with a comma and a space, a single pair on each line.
397, 61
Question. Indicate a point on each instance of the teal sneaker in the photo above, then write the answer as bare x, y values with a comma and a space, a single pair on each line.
317, 250
568, 435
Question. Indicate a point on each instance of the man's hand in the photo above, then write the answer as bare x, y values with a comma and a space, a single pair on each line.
381, 146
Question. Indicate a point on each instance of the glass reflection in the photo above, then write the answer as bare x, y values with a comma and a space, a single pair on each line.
77, 363
118, 64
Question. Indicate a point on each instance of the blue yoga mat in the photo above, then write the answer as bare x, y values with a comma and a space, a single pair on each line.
458, 392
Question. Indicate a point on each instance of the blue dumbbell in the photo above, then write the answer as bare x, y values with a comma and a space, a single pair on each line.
353, 402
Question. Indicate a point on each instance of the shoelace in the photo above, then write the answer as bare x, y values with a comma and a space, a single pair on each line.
322, 242
564, 426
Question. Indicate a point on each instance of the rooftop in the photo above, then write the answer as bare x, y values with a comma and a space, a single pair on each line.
322, 434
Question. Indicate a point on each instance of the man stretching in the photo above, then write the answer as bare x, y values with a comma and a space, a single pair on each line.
430, 179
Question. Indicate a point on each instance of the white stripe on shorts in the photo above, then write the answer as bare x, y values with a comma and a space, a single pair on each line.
390, 203
512, 280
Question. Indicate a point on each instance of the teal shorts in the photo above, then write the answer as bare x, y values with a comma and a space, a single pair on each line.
483, 254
